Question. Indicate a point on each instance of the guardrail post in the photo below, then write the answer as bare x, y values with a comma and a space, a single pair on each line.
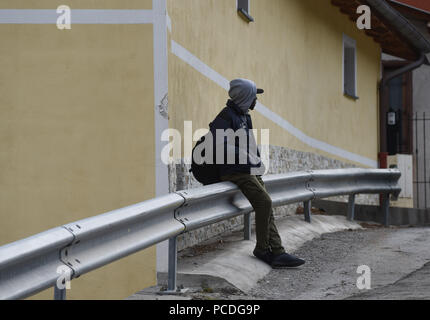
351, 207
172, 264
247, 226
385, 209
59, 294
307, 205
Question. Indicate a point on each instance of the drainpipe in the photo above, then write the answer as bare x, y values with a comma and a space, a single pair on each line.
384, 82
414, 65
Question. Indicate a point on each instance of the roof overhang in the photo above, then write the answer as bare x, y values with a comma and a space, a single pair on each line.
396, 35
420, 13
422, 6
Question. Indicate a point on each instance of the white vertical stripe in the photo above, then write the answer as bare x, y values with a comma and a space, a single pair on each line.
159, 8
169, 23
78, 16
160, 91
211, 74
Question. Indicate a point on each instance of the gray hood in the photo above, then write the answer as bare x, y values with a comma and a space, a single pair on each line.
243, 92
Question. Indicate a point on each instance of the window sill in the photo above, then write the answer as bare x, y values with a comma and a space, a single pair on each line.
245, 15
350, 96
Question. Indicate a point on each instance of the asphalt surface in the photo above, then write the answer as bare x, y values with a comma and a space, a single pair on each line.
414, 286
398, 260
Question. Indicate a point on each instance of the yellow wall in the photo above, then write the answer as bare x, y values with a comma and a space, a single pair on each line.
77, 133
294, 51
77, 106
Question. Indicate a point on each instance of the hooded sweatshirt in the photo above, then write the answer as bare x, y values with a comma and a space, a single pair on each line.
235, 116
243, 92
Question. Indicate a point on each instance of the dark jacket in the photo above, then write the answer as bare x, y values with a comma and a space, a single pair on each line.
231, 117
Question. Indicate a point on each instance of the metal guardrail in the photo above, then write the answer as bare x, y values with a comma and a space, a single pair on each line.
31, 265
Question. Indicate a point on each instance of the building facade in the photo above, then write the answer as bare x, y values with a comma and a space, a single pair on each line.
83, 111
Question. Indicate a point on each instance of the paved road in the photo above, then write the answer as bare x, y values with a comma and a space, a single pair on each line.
398, 258
415, 286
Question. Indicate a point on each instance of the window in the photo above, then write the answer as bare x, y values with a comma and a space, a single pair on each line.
243, 10
349, 67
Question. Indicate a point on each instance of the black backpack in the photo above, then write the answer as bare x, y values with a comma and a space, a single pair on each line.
205, 173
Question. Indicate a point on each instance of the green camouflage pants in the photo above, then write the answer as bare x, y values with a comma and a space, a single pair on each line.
254, 190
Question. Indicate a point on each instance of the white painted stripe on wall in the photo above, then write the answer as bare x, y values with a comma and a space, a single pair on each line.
161, 123
201, 67
211, 74
317, 144
78, 16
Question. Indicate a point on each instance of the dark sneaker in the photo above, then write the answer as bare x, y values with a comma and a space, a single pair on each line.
265, 256
285, 260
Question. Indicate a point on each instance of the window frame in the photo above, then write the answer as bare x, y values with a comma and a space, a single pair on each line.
349, 43
244, 13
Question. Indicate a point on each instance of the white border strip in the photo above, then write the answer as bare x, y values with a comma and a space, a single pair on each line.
78, 16
201, 67
211, 74
160, 123
160, 92
169, 23
314, 143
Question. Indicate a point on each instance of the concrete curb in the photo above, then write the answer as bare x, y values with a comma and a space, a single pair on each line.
234, 266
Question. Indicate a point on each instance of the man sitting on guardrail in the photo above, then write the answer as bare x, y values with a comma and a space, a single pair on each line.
243, 166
